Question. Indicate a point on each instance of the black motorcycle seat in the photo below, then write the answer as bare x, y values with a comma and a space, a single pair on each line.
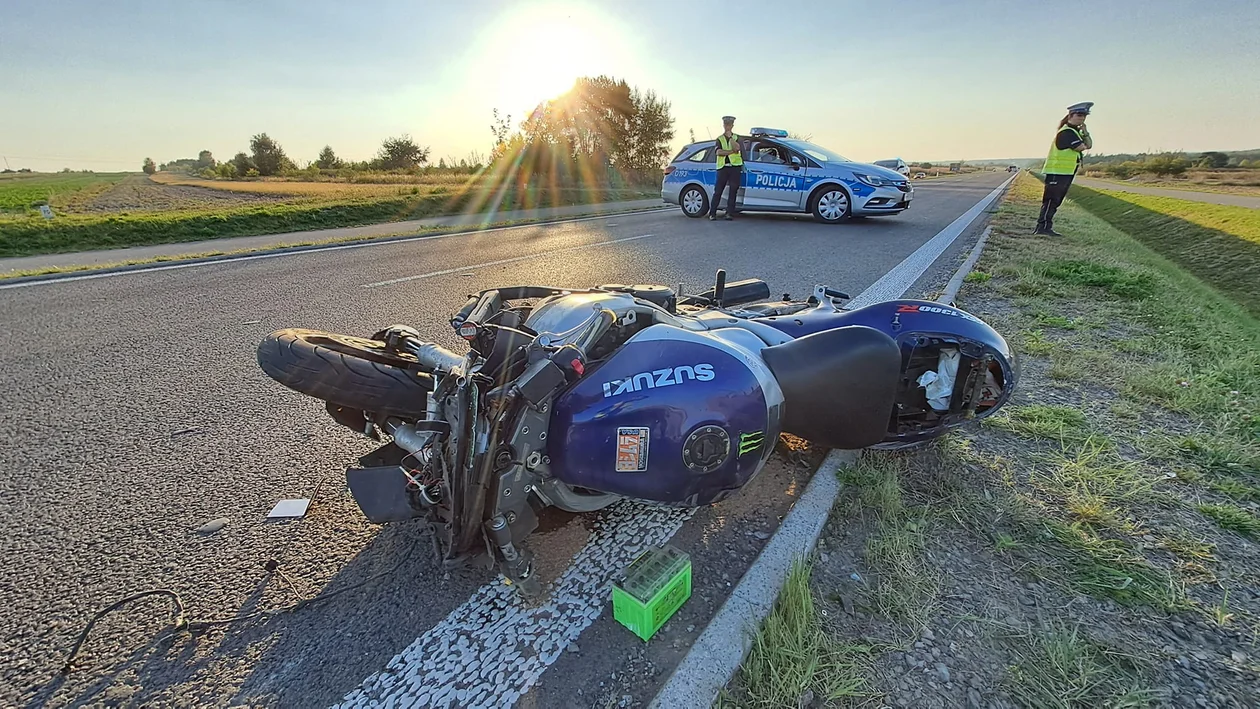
839, 386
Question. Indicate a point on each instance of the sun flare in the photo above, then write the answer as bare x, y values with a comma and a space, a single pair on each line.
535, 53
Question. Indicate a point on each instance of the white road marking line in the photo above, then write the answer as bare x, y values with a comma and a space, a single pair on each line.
492, 649
894, 283
382, 241
514, 259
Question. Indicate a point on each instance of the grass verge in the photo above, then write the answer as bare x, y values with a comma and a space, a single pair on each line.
69, 233
792, 661
1219, 244
415, 231
1061, 669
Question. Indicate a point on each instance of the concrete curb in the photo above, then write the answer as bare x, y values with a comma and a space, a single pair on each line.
90, 271
955, 283
718, 652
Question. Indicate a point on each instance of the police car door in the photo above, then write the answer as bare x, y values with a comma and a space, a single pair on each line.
776, 177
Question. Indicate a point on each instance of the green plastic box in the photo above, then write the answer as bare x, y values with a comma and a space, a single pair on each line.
652, 589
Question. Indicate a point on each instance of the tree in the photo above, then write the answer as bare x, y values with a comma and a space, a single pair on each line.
1167, 164
269, 157
651, 130
1213, 159
925, 166
149, 166
401, 154
501, 128
328, 160
205, 159
243, 164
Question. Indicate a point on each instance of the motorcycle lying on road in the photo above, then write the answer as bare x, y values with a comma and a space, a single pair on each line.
579, 398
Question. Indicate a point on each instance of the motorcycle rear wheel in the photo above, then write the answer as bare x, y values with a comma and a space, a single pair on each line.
353, 372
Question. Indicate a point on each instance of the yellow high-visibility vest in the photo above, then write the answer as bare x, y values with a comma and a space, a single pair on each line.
1062, 162
735, 158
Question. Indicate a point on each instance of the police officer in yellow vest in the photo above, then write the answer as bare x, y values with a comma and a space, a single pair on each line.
1062, 163
730, 169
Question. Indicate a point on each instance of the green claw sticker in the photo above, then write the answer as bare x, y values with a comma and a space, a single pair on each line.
749, 442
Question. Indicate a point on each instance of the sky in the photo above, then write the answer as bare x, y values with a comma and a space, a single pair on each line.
102, 85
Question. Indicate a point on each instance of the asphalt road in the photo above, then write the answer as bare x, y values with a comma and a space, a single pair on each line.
135, 412
1236, 200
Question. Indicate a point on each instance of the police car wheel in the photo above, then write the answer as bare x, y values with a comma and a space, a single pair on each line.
695, 203
831, 205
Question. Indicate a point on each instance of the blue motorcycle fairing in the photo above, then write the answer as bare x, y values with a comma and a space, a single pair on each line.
913, 324
673, 416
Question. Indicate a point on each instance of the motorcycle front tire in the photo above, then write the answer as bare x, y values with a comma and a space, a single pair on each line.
352, 372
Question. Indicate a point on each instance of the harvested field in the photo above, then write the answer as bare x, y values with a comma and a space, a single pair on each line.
140, 194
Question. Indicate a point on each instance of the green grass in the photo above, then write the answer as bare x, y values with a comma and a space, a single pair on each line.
1234, 518
33, 236
792, 657
905, 592
1236, 489
1111, 568
1113, 279
411, 231
977, 277
20, 192
1219, 244
1058, 423
1094, 482
1062, 669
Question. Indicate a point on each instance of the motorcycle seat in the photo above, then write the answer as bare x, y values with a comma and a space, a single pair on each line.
839, 386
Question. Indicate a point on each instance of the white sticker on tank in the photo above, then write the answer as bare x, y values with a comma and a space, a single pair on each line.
632, 449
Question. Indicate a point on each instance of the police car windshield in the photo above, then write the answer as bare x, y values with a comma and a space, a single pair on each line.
816, 152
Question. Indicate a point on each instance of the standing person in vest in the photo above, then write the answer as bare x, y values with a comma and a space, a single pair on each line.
1062, 163
730, 169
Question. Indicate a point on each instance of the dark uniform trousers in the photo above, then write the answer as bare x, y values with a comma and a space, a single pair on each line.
1056, 189
727, 175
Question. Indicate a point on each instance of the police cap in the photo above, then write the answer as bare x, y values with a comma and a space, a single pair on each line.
1082, 107
728, 119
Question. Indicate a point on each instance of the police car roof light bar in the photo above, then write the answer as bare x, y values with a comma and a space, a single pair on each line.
776, 132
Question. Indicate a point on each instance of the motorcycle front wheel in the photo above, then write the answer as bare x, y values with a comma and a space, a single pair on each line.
353, 372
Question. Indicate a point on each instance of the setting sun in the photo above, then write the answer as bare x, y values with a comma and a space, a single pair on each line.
535, 52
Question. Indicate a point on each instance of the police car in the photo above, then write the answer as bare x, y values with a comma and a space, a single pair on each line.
783, 174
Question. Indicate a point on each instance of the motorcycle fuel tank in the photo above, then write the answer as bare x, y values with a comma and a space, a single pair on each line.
673, 416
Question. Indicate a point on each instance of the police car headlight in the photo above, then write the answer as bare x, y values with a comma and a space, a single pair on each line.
874, 181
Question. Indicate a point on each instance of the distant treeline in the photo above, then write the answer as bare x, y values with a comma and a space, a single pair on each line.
1170, 163
601, 133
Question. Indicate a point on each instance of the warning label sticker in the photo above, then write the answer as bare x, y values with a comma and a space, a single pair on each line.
632, 449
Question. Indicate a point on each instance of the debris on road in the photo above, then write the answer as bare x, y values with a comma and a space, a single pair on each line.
213, 526
289, 509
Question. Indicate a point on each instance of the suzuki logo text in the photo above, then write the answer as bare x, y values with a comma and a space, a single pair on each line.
658, 378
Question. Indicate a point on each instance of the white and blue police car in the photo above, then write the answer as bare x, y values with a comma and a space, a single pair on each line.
783, 174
